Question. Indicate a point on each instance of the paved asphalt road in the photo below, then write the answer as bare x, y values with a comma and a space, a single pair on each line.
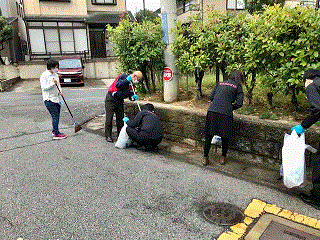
84, 188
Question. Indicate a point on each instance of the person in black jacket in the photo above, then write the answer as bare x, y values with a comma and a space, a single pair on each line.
226, 97
312, 84
120, 89
146, 128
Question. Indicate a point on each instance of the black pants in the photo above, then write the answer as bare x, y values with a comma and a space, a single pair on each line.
113, 106
316, 176
142, 139
207, 145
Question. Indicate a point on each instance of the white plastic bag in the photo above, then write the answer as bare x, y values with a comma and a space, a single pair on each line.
293, 151
216, 140
123, 140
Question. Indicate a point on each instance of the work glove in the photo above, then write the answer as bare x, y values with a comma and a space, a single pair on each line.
125, 119
299, 129
129, 78
135, 97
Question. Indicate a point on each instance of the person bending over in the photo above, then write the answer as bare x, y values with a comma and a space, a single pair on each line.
146, 128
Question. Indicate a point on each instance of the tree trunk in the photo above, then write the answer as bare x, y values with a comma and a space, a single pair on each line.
153, 80
146, 79
199, 77
270, 98
217, 74
251, 87
294, 99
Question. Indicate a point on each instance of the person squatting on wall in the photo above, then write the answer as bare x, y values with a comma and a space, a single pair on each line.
146, 128
120, 89
312, 84
49, 82
226, 97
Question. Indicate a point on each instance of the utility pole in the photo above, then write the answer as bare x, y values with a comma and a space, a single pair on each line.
170, 73
144, 9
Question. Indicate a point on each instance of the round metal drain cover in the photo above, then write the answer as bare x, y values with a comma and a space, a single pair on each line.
224, 214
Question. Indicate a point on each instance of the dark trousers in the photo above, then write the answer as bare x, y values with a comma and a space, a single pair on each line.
113, 106
54, 110
142, 139
207, 145
316, 176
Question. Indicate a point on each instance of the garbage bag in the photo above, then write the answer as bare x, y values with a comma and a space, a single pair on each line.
123, 140
216, 140
293, 160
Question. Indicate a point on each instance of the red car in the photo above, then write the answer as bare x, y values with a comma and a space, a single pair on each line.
71, 70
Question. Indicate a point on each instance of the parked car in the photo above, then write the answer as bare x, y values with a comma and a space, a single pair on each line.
71, 70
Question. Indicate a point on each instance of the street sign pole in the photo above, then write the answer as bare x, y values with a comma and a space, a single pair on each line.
170, 73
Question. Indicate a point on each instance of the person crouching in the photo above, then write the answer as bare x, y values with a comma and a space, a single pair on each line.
146, 128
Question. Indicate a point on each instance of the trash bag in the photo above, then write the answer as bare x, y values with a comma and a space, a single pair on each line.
123, 140
293, 160
216, 140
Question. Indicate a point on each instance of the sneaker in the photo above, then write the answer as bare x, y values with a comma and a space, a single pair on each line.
59, 136
311, 200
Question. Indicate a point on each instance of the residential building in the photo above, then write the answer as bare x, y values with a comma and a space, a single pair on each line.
185, 8
60, 27
12, 51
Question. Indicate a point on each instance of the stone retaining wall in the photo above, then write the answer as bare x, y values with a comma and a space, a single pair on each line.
9, 75
255, 140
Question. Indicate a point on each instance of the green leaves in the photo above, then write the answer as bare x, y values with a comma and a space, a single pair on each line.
5, 31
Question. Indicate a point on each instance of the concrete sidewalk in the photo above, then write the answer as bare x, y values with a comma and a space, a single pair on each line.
193, 155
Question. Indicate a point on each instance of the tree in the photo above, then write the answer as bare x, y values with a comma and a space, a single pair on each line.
139, 46
191, 50
146, 15
5, 34
258, 5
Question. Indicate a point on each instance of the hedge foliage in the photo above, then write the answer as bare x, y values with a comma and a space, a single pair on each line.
277, 45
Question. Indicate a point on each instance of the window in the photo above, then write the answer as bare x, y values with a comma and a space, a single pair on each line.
55, 0
235, 5
104, 2
57, 38
184, 6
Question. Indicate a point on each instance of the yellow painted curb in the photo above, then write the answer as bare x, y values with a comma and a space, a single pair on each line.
255, 209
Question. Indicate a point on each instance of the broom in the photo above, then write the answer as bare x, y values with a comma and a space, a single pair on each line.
77, 127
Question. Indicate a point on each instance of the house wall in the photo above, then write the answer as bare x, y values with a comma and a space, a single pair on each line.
42, 8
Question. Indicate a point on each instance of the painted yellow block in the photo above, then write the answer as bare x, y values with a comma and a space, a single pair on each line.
285, 213
229, 236
312, 222
255, 208
239, 228
297, 217
270, 208
248, 220
318, 225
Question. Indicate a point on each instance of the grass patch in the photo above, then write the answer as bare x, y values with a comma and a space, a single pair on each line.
267, 114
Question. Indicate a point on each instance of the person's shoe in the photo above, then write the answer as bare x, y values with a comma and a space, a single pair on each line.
222, 160
311, 200
205, 160
59, 136
109, 139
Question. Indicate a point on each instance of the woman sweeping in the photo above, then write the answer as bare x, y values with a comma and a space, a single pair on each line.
226, 97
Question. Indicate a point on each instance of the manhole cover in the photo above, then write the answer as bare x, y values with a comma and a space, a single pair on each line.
224, 214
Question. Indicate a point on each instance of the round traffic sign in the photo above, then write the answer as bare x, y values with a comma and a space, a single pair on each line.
167, 74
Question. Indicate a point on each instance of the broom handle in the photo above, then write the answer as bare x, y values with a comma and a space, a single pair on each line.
135, 94
64, 101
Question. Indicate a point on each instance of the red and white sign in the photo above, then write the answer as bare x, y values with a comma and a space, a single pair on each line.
167, 74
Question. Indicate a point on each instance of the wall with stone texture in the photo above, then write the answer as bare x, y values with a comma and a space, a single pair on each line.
9, 75
255, 140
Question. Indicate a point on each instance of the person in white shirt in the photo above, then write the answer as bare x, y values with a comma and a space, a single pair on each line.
49, 81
